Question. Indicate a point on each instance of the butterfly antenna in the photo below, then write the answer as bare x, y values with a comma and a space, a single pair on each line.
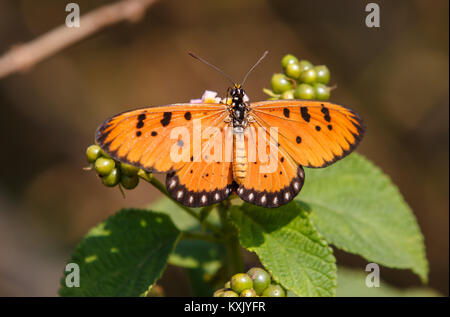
253, 67
213, 66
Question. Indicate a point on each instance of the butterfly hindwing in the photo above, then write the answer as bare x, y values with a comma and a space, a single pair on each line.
200, 184
314, 133
265, 184
206, 179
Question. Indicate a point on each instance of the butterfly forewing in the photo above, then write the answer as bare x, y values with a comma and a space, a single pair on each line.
142, 137
314, 133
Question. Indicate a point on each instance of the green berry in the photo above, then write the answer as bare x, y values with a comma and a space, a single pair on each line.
293, 70
261, 279
104, 166
93, 153
273, 98
129, 182
128, 169
274, 291
304, 91
289, 94
240, 282
305, 65
219, 292
248, 293
323, 74
280, 83
229, 293
308, 76
227, 285
112, 179
288, 59
321, 92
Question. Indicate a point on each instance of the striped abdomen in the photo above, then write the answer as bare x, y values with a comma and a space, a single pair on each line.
240, 164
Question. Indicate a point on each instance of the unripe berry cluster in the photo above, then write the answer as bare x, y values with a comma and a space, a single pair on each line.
300, 80
256, 282
112, 172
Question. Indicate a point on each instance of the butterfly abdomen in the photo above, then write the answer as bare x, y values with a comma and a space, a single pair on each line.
240, 165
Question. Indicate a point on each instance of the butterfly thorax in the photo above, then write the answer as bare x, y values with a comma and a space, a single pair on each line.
238, 109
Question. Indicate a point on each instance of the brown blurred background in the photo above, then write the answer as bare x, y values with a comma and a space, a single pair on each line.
395, 76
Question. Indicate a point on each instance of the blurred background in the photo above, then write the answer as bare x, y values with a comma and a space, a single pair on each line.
395, 76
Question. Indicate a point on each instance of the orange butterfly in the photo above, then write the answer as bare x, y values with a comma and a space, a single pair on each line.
309, 133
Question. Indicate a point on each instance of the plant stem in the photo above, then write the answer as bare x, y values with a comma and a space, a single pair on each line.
234, 261
152, 180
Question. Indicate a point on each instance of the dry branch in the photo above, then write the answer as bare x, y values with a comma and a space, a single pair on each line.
24, 56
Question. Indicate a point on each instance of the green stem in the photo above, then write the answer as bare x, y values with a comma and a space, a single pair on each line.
152, 180
235, 263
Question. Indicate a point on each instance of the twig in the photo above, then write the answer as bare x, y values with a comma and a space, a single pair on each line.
24, 56
235, 262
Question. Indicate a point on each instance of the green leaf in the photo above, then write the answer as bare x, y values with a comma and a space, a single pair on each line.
358, 209
202, 260
189, 253
351, 283
288, 246
181, 218
124, 255
196, 253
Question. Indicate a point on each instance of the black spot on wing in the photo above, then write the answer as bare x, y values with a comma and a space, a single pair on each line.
166, 118
305, 115
286, 112
141, 119
326, 113
187, 116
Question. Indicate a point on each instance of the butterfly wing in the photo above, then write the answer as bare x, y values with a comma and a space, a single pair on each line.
206, 179
309, 133
313, 133
142, 137
274, 181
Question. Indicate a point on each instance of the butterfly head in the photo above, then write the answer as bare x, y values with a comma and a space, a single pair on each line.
237, 92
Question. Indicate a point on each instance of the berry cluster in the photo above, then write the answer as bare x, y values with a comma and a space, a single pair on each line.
256, 282
300, 80
112, 172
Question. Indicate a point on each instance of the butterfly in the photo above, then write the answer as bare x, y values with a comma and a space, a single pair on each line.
308, 134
